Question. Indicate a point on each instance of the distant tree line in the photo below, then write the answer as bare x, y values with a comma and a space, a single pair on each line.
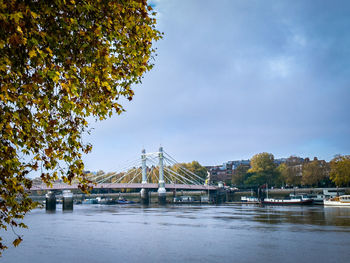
295, 171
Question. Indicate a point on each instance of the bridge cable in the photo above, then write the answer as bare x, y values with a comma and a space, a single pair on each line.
137, 174
153, 161
190, 179
126, 173
178, 179
133, 163
183, 168
179, 175
187, 174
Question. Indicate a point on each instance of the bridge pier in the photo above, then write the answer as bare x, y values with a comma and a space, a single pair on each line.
144, 196
67, 200
161, 196
50, 201
161, 187
220, 196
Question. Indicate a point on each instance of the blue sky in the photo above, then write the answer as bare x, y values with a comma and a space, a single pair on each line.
236, 78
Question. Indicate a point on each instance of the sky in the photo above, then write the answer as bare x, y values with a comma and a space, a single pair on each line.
235, 78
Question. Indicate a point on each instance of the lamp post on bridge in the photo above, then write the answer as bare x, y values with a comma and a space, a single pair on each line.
161, 187
208, 186
144, 191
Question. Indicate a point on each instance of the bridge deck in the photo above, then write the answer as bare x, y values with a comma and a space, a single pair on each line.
125, 186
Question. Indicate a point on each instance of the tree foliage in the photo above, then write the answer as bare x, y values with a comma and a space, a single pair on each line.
262, 162
314, 172
291, 171
62, 61
340, 170
240, 174
263, 169
291, 175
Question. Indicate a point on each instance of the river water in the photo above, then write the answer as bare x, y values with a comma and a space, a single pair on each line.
184, 233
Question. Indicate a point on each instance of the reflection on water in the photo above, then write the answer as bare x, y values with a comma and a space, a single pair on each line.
242, 233
313, 215
339, 216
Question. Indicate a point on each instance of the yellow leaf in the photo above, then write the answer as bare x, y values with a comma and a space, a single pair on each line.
17, 16
17, 241
49, 50
32, 53
56, 77
19, 29
34, 15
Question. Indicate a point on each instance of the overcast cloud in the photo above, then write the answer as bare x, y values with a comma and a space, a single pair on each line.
235, 78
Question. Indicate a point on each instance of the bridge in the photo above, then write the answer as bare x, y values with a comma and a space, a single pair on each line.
153, 171
152, 186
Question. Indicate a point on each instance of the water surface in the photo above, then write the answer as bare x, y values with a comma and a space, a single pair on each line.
235, 233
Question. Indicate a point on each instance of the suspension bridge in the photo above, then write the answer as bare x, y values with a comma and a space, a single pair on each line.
153, 171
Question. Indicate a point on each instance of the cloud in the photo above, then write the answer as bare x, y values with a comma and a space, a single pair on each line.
234, 78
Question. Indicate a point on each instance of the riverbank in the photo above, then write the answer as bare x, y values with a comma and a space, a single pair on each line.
282, 193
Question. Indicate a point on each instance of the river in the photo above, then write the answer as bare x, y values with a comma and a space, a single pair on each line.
184, 233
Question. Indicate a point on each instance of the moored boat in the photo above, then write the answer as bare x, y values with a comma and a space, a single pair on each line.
106, 201
249, 199
326, 194
123, 201
89, 201
292, 200
184, 199
343, 200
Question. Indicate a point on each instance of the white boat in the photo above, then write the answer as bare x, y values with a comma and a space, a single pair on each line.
300, 196
292, 200
249, 199
184, 199
89, 201
326, 194
343, 200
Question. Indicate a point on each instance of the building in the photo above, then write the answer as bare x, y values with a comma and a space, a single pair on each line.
223, 173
